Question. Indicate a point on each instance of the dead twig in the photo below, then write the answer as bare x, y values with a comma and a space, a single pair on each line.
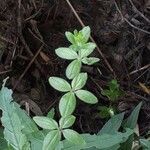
4, 72
29, 65
142, 68
137, 11
127, 21
98, 49
6, 40
14, 51
34, 15
19, 21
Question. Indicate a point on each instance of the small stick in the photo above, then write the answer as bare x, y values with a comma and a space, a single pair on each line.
144, 67
6, 40
3, 72
29, 65
137, 11
126, 20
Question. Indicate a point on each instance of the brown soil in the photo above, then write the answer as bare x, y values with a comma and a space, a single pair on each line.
31, 31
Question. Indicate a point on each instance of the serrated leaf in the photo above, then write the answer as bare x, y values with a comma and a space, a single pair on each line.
90, 60
3, 142
73, 137
51, 140
87, 50
59, 84
66, 122
67, 104
45, 122
11, 121
70, 37
28, 124
66, 53
86, 31
73, 69
86, 96
79, 81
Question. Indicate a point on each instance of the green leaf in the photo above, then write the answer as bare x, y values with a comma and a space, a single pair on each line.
45, 122
86, 96
90, 60
127, 144
105, 112
113, 93
51, 113
70, 37
73, 137
86, 31
79, 81
131, 121
113, 84
102, 141
66, 122
145, 144
73, 69
36, 139
108, 140
74, 48
113, 125
67, 104
11, 121
59, 84
66, 53
87, 50
3, 142
115, 147
28, 125
51, 140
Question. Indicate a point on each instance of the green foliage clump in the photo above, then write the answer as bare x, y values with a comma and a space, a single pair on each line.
22, 133
112, 93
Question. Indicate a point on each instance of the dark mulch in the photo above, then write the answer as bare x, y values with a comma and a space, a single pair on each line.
121, 30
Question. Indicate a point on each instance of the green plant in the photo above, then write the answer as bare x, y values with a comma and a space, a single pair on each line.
112, 93
21, 132
78, 52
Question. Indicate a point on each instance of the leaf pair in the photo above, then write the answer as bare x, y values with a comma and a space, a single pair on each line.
53, 137
78, 51
78, 58
68, 101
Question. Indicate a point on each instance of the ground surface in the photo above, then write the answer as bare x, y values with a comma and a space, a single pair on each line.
31, 31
